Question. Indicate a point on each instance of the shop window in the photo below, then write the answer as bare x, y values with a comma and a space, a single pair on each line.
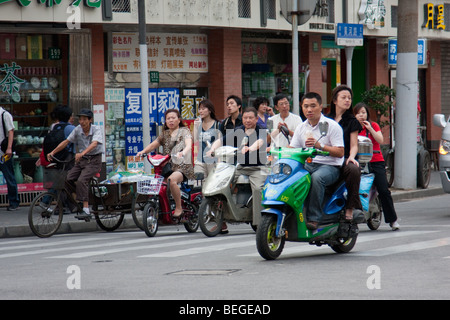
270, 7
33, 69
244, 9
121, 6
394, 17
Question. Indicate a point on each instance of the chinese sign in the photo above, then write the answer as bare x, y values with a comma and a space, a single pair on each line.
254, 53
166, 52
160, 100
434, 16
421, 50
350, 35
10, 82
99, 120
372, 13
51, 3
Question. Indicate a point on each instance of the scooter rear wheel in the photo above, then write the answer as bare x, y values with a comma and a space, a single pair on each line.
345, 245
268, 244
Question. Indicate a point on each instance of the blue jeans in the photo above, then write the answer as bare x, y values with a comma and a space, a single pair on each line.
8, 173
322, 176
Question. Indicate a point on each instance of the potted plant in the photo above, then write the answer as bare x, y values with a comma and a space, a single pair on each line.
380, 98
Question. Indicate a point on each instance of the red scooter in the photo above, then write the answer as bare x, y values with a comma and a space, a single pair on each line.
160, 204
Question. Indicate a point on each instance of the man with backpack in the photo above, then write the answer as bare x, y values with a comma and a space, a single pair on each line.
88, 141
58, 133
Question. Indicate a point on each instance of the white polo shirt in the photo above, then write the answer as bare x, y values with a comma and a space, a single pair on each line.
278, 139
334, 138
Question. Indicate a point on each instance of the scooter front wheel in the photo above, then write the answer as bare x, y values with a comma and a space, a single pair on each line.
150, 219
268, 244
210, 216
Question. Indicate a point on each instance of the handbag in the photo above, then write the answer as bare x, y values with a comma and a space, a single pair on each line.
4, 144
167, 169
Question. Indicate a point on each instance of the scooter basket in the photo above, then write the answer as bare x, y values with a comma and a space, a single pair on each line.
150, 185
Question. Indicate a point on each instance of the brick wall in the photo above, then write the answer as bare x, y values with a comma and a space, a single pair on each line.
313, 59
97, 54
225, 67
434, 87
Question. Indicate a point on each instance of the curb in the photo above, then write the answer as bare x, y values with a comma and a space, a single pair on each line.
65, 228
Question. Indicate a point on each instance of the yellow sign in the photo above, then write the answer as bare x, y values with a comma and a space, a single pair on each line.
434, 16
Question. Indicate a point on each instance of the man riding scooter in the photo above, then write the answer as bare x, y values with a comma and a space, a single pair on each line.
324, 171
252, 156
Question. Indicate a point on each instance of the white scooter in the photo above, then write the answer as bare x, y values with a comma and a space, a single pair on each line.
225, 200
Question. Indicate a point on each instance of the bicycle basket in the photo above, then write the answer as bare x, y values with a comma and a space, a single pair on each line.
150, 185
54, 178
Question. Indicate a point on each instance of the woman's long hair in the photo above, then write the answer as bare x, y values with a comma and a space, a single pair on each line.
177, 112
359, 106
209, 105
334, 95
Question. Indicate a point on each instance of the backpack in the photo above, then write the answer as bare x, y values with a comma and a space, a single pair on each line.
53, 139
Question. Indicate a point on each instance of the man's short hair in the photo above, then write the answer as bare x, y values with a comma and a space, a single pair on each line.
279, 97
312, 95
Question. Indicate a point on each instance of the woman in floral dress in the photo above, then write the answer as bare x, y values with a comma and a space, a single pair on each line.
176, 140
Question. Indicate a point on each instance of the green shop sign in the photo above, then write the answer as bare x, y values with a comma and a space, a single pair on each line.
51, 3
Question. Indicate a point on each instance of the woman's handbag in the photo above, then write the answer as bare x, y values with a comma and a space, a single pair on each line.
167, 169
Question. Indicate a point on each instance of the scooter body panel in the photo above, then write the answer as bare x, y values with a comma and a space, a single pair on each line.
220, 183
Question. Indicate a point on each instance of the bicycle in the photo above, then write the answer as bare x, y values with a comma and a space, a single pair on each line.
47, 209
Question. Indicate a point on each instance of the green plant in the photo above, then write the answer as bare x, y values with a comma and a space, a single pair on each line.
379, 98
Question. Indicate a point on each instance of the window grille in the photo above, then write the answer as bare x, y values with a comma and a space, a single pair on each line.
271, 9
244, 9
121, 6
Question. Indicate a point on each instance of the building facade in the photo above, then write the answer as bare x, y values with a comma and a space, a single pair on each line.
86, 54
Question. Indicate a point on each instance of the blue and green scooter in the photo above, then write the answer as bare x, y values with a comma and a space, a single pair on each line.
283, 218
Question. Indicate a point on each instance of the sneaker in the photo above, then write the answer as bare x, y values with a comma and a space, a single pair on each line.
394, 226
12, 208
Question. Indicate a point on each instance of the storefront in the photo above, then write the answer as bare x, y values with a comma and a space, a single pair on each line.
33, 79
178, 77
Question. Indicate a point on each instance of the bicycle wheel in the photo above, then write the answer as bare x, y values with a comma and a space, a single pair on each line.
45, 214
109, 220
137, 209
389, 162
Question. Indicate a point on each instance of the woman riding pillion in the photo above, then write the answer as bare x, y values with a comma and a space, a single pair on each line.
176, 140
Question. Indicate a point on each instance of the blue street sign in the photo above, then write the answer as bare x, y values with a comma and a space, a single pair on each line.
349, 34
160, 100
421, 52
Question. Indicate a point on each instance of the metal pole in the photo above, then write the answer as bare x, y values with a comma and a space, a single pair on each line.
405, 173
144, 80
295, 81
349, 56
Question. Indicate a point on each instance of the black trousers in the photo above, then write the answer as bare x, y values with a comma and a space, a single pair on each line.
379, 170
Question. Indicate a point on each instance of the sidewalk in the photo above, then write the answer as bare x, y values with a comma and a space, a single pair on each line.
15, 223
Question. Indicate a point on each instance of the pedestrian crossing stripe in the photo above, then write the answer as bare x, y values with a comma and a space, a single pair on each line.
110, 244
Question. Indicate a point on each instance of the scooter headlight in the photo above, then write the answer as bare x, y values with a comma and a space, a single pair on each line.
444, 148
280, 172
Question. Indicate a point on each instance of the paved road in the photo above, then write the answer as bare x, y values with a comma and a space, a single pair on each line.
412, 263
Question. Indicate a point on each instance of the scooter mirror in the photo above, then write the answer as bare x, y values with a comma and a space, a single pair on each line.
285, 132
439, 120
244, 141
323, 128
269, 125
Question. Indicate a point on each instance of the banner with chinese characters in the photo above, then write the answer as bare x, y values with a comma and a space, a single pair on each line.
160, 100
371, 13
166, 52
